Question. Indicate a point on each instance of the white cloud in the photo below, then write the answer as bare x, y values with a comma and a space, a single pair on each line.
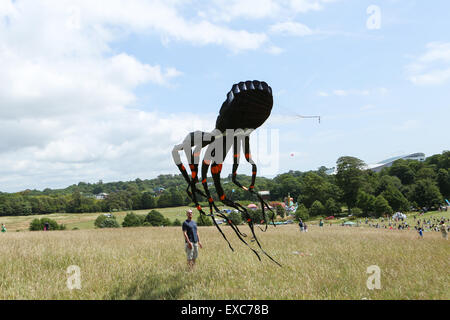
227, 10
67, 97
275, 50
432, 67
291, 28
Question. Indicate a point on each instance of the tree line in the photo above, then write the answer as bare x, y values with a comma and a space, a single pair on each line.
406, 184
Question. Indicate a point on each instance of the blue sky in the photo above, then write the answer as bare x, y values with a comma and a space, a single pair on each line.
103, 90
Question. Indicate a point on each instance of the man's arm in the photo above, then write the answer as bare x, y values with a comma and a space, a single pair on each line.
186, 238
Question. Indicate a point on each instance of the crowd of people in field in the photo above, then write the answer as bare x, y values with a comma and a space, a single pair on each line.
399, 221
420, 225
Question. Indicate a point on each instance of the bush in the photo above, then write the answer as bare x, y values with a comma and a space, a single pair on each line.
110, 223
106, 221
280, 210
176, 223
38, 224
156, 219
235, 217
332, 207
204, 221
316, 209
357, 212
100, 219
132, 220
255, 215
301, 213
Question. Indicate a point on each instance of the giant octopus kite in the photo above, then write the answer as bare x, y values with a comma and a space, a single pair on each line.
246, 108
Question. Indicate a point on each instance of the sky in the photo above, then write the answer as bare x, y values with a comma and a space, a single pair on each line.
103, 90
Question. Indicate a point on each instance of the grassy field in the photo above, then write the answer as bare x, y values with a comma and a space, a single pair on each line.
149, 263
83, 220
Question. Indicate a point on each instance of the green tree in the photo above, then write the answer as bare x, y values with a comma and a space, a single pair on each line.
109, 223
426, 173
235, 217
38, 224
316, 187
203, 220
155, 218
165, 199
366, 202
176, 223
132, 220
396, 199
177, 197
106, 221
280, 210
332, 207
301, 213
426, 193
381, 206
148, 201
443, 181
349, 178
401, 169
316, 209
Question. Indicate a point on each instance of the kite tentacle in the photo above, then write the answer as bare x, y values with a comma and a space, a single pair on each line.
193, 158
216, 176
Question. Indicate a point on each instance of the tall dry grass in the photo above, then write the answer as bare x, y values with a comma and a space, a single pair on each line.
150, 263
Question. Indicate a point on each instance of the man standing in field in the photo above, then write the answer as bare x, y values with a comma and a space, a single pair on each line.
444, 230
191, 239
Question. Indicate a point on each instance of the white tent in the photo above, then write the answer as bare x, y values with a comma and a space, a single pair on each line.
399, 215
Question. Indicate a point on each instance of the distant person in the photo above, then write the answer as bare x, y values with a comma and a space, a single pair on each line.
3, 228
191, 239
421, 233
444, 230
300, 224
321, 223
46, 226
305, 227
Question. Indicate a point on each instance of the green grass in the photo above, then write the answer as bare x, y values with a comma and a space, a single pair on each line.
83, 220
150, 263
